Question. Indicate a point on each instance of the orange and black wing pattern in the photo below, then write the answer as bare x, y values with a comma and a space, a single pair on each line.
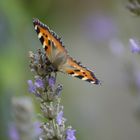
54, 47
49, 39
75, 69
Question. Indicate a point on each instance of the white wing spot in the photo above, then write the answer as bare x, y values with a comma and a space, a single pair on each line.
40, 35
35, 27
84, 78
92, 82
44, 44
75, 74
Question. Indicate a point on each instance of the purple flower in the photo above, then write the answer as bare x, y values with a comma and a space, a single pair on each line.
101, 27
135, 46
32, 87
51, 81
13, 133
39, 83
37, 129
70, 134
59, 118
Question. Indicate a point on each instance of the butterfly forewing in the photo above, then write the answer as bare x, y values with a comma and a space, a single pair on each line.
51, 43
58, 56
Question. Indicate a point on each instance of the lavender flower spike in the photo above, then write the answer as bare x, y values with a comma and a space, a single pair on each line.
13, 132
39, 83
70, 134
59, 118
32, 87
135, 46
51, 81
49, 95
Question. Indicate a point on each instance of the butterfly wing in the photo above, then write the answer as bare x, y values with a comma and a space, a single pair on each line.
58, 56
75, 69
50, 41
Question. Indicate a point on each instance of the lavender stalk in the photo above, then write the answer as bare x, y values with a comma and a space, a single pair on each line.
48, 93
22, 128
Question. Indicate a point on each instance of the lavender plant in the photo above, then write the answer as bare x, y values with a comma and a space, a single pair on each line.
134, 6
134, 45
48, 93
22, 127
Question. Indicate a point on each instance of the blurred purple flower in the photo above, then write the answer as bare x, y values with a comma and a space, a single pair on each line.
116, 47
51, 81
59, 118
70, 134
134, 46
101, 27
32, 87
13, 133
37, 129
39, 83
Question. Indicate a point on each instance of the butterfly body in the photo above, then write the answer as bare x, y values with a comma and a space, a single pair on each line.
57, 54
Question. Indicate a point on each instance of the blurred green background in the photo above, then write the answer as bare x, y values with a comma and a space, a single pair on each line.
97, 34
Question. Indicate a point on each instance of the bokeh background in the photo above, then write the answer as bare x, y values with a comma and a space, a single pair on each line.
94, 32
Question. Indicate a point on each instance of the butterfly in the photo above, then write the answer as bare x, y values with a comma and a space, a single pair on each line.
58, 56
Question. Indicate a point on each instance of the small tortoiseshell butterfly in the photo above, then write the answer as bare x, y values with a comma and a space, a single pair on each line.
57, 54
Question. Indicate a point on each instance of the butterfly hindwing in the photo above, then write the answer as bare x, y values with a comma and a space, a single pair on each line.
77, 70
58, 56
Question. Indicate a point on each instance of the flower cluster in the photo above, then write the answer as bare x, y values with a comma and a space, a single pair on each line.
134, 46
22, 127
134, 6
48, 92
